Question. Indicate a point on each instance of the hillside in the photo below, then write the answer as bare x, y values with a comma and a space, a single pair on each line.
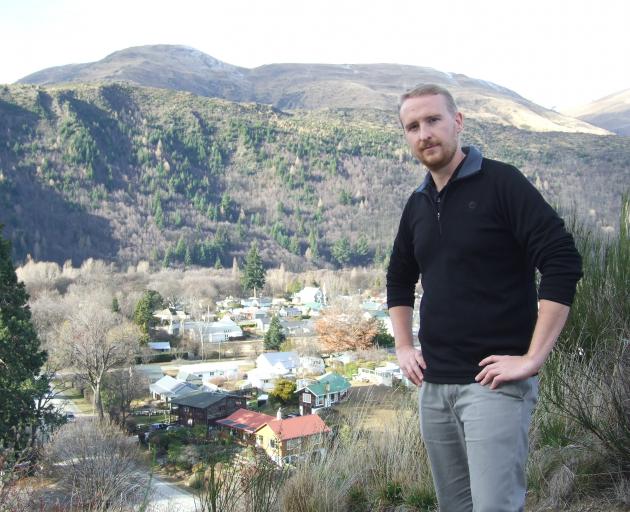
125, 173
611, 112
306, 86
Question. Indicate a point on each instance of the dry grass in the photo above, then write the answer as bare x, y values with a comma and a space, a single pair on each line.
366, 467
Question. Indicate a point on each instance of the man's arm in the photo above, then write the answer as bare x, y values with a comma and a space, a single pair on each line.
409, 358
499, 369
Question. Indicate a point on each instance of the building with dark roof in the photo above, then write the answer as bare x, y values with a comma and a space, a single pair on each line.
205, 407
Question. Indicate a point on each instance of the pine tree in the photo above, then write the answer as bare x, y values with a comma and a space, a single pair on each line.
254, 272
143, 314
274, 337
20, 356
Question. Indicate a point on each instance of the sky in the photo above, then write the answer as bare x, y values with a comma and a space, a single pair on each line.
557, 53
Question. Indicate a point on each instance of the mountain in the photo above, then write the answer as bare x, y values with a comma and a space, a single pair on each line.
306, 86
124, 173
611, 112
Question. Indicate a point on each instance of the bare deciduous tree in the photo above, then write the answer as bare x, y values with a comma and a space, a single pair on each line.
121, 388
342, 327
97, 466
93, 341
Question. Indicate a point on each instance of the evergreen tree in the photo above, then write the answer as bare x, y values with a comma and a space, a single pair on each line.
383, 339
254, 273
360, 251
143, 314
341, 251
20, 356
115, 305
274, 337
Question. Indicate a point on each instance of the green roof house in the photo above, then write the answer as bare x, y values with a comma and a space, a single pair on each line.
324, 392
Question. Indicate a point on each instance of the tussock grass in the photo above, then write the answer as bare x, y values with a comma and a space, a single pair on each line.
580, 436
366, 469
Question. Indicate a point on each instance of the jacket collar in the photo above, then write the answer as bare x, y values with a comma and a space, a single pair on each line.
471, 165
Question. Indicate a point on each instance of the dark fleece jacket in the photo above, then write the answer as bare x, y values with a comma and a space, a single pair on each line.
477, 259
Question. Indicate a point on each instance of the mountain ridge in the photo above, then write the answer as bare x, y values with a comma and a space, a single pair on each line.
128, 173
306, 86
611, 112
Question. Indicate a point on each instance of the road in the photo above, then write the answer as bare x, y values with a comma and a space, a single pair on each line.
65, 405
167, 497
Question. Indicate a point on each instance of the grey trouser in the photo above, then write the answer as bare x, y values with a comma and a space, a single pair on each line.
476, 439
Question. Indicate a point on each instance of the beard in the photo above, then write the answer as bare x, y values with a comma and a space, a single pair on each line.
438, 156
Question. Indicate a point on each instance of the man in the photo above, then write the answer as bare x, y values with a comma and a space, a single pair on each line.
476, 230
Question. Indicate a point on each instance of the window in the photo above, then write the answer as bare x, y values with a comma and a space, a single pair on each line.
306, 398
318, 401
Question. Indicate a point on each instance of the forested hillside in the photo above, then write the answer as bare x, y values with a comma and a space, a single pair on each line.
126, 173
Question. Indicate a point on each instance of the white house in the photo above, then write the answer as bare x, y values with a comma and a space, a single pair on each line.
308, 295
171, 319
312, 364
381, 374
280, 363
202, 373
345, 357
271, 366
168, 388
261, 379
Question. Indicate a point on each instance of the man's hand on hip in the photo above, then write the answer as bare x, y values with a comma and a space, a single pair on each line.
411, 363
500, 369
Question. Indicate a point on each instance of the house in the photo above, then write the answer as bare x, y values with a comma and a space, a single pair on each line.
160, 346
312, 364
381, 316
324, 392
168, 388
201, 373
205, 407
297, 327
279, 363
345, 357
287, 440
271, 366
171, 320
289, 312
384, 375
261, 379
257, 302
243, 424
223, 330
229, 303
309, 295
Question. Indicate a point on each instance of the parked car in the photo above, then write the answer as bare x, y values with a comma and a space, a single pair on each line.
157, 426
70, 417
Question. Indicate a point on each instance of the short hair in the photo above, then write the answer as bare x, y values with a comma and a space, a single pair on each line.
427, 90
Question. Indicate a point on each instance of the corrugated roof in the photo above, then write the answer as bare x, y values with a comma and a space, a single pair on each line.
335, 382
201, 399
280, 357
301, 426
171, 387
249, 421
